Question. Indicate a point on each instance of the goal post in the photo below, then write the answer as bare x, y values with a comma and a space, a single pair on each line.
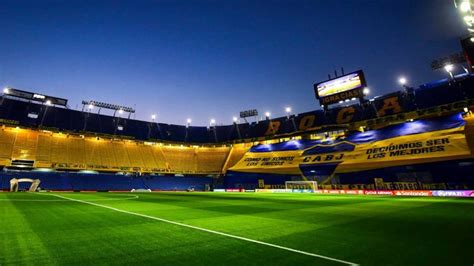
14, 184
301, 185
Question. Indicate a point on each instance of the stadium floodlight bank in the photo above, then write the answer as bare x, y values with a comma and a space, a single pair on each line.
249, 113
301, 186
108, 106
34, 97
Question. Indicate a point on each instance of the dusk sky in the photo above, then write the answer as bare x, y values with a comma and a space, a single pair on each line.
212, 59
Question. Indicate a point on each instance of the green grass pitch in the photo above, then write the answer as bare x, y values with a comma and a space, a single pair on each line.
119, 228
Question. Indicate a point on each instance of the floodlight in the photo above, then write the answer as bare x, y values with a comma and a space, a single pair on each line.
449, 68
465, 6
153, 117
48, 102
109, 106
212, 122
267, 114
288, 109
402, 81
90, 107
366, 91
6, 90
189, 121
120, 111
235, 119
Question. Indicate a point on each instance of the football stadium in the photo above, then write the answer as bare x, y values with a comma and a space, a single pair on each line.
387, 180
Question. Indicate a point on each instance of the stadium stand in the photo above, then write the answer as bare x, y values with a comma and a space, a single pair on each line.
45, 150
34, 137
211, 160
180, 158
7, 141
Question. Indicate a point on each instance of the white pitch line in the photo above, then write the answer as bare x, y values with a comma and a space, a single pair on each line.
212, 231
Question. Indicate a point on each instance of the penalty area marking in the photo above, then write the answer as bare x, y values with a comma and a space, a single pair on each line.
210, 231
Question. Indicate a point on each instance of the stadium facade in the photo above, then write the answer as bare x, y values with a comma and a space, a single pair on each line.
410, 139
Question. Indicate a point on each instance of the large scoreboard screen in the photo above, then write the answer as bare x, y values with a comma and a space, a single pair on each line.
341, 88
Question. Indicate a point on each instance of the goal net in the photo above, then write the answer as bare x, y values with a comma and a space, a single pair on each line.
301, 186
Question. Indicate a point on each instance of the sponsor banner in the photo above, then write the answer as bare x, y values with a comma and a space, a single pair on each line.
249, 190
319, 191
281, 190
417, 193
233, 190
339, 191
354, 192
263, 190
332, 191
300, 190
378, 192
218, 190
412, 193
453, 193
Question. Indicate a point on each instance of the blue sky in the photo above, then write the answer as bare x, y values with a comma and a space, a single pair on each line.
212, 59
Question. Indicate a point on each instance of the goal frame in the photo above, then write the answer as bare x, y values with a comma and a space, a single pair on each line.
313, 183
15, 183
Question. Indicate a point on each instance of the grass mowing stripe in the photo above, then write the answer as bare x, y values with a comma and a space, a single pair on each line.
210, 231
63, 200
